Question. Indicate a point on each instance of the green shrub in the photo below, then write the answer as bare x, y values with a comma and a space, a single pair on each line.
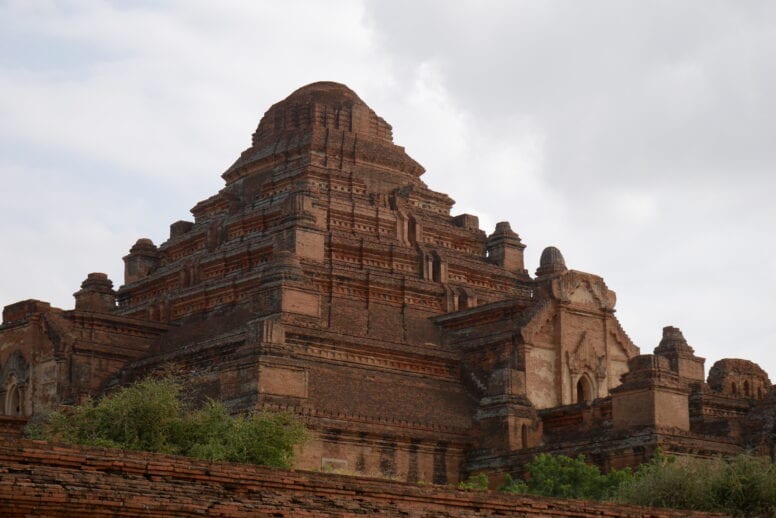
745, 486
563, 477
669, 482
150, 416
140, 417
261, 438
478, 482
512, 486
740, 486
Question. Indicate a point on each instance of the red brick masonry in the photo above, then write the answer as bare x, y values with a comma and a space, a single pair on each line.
42, 479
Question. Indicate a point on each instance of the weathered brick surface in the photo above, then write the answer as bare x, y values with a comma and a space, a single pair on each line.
42, 479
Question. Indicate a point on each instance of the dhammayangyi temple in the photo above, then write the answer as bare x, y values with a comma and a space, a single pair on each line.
326, 279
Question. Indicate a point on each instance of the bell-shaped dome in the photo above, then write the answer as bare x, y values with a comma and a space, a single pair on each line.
319, 121
551, 262
326, 104
738, 377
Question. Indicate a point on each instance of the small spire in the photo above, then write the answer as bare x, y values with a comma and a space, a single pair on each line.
673, 340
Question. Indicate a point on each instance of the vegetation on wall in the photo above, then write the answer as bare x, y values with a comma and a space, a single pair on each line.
151, 415
744, 485
476, 482
563, 477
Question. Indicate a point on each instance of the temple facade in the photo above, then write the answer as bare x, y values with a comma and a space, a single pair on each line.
326, 279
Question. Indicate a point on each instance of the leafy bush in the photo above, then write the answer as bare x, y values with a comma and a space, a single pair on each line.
261, 438
740, 486
513, 486
150, 416
563, 477
668, 482
745, 486
478, 482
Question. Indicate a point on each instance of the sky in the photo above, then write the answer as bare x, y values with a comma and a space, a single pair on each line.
638, 137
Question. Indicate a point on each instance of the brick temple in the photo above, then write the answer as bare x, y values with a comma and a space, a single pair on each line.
326, 279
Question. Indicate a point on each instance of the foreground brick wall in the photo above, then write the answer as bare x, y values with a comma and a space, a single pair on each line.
41, 479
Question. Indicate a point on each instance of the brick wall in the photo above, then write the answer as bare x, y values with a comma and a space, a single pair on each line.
42, 479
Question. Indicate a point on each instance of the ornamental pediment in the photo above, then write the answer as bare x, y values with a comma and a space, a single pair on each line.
584, 289
586, 358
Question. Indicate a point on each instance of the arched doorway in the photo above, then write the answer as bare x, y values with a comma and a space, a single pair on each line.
584, 390
13, 400
14, 383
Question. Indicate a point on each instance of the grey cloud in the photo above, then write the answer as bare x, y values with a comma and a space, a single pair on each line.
657, 158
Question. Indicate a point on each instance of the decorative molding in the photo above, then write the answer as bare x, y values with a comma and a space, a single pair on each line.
585, 358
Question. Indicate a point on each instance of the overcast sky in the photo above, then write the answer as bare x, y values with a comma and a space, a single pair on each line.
638, 137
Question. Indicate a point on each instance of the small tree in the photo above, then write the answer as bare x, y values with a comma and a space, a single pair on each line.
150, 416
140, 417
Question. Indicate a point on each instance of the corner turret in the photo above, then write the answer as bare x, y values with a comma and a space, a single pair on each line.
681, 357
96, 294
506, 250
143, 259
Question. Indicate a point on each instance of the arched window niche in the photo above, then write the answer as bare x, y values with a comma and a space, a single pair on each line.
14, 380
584, 389
14, 398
